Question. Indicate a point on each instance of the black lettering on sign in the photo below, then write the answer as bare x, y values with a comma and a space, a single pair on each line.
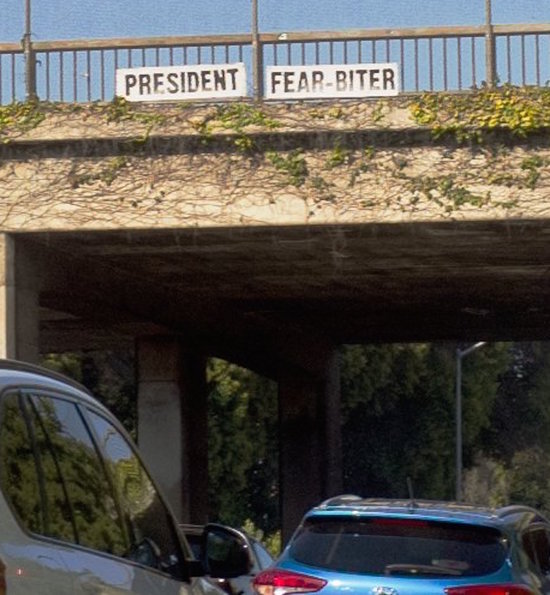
131, 81
232, 72
303, 83
275, 80
361, 72
172, 80
192, 82
289, 82
144, 84
317, 77
158, 82
374, 78
389, 78
220, 80
341, 80
206, 80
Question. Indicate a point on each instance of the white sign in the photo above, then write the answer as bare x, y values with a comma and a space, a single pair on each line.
346, 80
172, 83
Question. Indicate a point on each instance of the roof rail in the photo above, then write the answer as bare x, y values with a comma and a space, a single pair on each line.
341, 500
515, 509
22, 366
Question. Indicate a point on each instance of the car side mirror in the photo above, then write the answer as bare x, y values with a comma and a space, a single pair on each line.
226, 552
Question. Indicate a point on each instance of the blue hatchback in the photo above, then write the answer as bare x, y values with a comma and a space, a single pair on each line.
354, 546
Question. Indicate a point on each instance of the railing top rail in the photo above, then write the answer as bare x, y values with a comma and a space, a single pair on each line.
527, 29
355, 34
276, 37
407, 33
10, 48
139, 42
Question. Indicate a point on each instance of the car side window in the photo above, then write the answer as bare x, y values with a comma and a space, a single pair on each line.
152, 530
536, 543
67, 446
67, 494
19, 468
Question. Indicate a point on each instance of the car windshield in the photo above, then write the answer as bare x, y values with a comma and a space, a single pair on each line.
399, 546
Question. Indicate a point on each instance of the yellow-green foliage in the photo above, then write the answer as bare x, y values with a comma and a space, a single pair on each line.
339, 155
519, 110
20, 116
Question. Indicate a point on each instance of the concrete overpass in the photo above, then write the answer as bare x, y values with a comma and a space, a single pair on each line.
338, 226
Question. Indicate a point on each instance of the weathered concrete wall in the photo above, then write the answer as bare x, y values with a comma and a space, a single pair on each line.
107, 166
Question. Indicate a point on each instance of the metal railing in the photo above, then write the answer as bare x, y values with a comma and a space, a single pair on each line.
430, 59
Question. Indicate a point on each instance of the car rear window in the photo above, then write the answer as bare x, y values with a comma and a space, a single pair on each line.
398, 546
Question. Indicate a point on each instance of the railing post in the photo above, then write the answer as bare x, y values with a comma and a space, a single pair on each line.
490, 63
257, 55
30, 60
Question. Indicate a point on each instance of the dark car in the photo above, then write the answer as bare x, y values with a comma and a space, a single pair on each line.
79, 511
216, 545
354, 546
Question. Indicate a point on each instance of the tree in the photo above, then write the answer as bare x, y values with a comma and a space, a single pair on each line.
530, 478
399, 415
243, 446
392, 428
109, 375
521, 417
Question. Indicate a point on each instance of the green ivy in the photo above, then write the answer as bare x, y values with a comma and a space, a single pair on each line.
294, 165
379, 112
532, 165
445, 192
363, 166
121, 110
322, 188
106, 175
236, 118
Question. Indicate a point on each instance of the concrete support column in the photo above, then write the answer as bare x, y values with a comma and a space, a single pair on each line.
19, 302
172, 423
310, 441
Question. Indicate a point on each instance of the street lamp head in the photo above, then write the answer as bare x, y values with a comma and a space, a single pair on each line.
463, 352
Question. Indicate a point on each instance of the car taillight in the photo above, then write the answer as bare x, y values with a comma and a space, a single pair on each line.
280, 582
489, 590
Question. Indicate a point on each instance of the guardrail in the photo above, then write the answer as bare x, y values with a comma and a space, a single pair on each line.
430, 59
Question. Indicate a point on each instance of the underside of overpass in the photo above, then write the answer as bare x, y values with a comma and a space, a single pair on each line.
243, 293
278, 300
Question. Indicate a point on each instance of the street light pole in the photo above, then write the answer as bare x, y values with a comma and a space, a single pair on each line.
490, 66
256, 53
30, 74
460, 354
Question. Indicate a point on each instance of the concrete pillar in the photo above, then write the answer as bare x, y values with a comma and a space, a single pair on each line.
19, 302
172, 423
310, 441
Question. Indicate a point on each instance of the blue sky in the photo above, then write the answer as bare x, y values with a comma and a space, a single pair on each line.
72, 19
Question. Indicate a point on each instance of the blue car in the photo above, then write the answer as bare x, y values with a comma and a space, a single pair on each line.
354, 546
